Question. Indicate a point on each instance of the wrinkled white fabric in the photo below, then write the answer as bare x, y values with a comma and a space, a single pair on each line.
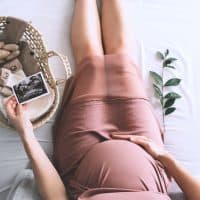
24, 187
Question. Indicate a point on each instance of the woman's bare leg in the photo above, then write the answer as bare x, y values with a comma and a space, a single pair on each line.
86, 32
115, 34
117, 41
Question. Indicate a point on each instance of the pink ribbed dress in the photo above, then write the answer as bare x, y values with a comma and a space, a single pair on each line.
104, 96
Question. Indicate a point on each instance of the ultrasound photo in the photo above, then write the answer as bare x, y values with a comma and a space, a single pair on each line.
30, 88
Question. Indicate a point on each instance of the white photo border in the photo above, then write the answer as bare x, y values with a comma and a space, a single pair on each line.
34, 98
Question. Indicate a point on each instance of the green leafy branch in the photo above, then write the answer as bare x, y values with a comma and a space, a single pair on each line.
168, 100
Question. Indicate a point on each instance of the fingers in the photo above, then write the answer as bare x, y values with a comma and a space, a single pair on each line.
10, 106
9, 101
24, 106
129, 137
13, 108
146, 143
9, 109
118, 136
140, 140
19, 109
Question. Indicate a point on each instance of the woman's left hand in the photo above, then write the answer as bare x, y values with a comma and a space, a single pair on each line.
149, 145
18, 117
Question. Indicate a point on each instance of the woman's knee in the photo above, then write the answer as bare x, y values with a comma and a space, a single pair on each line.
85, 52
116, 47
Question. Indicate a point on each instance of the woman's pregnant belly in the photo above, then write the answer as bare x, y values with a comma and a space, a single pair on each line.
120, 164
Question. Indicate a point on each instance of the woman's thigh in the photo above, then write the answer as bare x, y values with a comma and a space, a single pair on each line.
115, 76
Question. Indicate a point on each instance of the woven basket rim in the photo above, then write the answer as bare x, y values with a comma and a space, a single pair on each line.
33, 37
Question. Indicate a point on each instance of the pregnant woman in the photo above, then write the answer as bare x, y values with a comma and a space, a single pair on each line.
108, 144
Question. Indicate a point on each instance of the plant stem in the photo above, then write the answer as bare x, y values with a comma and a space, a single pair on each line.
163, 114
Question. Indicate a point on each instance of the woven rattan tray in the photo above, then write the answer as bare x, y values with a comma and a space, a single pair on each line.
29, 34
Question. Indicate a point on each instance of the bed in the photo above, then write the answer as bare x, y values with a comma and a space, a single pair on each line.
155, 25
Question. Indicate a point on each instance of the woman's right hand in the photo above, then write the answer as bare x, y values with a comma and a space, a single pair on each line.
17, 116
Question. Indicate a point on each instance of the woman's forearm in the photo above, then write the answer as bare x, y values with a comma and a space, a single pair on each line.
189, 185
47, 178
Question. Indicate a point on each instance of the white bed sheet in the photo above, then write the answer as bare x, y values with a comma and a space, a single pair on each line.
154, 25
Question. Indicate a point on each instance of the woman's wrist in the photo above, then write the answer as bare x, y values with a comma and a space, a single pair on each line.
166, 159
25, 133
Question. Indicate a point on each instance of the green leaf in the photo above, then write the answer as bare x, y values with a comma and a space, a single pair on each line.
172, 95
170, 66
166, 52
157, 91
169, 110
157, 78
169, 61
169, 103
173, 82
160, 55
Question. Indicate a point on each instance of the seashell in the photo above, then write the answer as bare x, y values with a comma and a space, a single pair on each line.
11, 47
13, 65
1, 44
14, 54
4, 54
5, 91
4, 76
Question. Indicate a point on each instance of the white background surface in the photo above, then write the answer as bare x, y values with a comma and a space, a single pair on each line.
154, 25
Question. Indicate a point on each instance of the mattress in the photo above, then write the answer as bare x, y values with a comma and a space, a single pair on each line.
154, 25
